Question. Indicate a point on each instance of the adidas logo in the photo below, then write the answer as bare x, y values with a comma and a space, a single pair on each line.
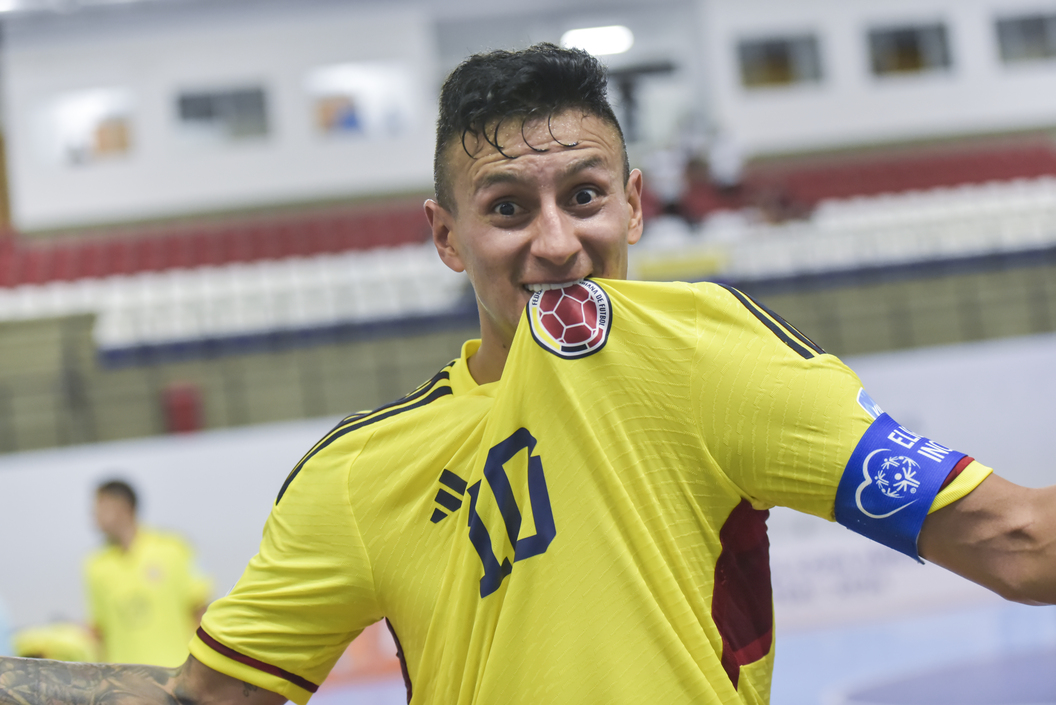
446, 499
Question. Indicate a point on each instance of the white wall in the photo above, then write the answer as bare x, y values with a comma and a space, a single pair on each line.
664, 31
992, 400
851, 106
156, 55
157, 49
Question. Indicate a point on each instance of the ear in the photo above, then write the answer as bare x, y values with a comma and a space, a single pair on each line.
441, 222
634, 203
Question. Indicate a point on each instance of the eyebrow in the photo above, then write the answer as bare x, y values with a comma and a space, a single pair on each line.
507, 177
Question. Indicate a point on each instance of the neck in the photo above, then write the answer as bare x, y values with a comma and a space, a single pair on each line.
487, 363
125, 536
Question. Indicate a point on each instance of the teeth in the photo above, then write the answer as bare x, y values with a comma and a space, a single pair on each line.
547, 287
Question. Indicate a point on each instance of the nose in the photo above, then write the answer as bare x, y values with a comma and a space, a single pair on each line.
555, 239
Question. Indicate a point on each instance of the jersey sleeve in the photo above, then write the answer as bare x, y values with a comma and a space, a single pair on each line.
778, 415
307, 593
790, 425
962, 485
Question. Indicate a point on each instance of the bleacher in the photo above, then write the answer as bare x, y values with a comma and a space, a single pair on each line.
265, 318
168, 293
165, 294
156, 248
169, 290
800, 184
904, 169
888, 230
885, 272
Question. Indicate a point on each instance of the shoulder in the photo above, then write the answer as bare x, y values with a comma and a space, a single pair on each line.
98, 559
757, 316
676, 300
411, 420
159, 540
712, 309
727, 313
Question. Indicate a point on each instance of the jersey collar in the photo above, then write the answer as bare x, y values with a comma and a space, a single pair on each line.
462, 381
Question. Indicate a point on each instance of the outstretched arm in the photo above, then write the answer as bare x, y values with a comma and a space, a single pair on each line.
40, 682
1001, 536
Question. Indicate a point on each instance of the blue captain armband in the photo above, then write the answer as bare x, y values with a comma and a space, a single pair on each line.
890, 482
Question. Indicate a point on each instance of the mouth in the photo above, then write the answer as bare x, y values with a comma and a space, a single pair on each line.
532, 288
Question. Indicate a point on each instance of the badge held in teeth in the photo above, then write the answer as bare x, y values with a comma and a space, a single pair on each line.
572, 322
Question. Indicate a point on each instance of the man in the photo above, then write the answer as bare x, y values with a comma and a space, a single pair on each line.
145, 592
573, 511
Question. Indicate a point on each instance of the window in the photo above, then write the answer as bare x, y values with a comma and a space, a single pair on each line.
372, 100
1027, 38
901, 50
85, 127
779, 61
229, 115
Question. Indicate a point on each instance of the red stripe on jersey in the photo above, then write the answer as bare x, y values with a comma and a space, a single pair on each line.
254, 663
957, 470
742, 603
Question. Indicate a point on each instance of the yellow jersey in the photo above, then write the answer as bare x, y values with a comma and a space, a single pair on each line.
590, 528
143, 600
62, 641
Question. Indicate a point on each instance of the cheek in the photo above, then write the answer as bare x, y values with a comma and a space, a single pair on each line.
490, 261
608, 236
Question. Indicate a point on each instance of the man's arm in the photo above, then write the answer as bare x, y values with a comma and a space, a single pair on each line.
39, 682
1001, 536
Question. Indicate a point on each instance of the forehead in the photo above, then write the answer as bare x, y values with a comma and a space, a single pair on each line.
111, 498
520, 145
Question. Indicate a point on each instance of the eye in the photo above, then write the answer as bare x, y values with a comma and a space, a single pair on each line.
584, 196
507, 209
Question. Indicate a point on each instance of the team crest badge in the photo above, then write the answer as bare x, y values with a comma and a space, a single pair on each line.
571, 322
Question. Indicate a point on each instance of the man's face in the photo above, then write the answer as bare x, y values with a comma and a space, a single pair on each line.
542, 218
112, 514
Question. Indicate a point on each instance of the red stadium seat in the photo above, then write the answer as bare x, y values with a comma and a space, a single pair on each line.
182, 406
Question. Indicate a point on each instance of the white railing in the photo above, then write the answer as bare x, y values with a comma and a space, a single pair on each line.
363, 286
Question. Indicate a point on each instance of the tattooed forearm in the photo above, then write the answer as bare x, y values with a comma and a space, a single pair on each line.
40, 682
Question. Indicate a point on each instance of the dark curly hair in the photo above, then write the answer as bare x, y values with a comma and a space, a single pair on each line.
488, 89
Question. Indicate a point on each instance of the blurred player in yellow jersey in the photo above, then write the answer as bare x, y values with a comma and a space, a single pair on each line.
573, 511
146, 594
59, 641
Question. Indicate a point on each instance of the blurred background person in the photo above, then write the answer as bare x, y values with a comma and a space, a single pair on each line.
145, 592
59, 641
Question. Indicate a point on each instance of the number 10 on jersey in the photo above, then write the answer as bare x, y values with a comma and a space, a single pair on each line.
538, 498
